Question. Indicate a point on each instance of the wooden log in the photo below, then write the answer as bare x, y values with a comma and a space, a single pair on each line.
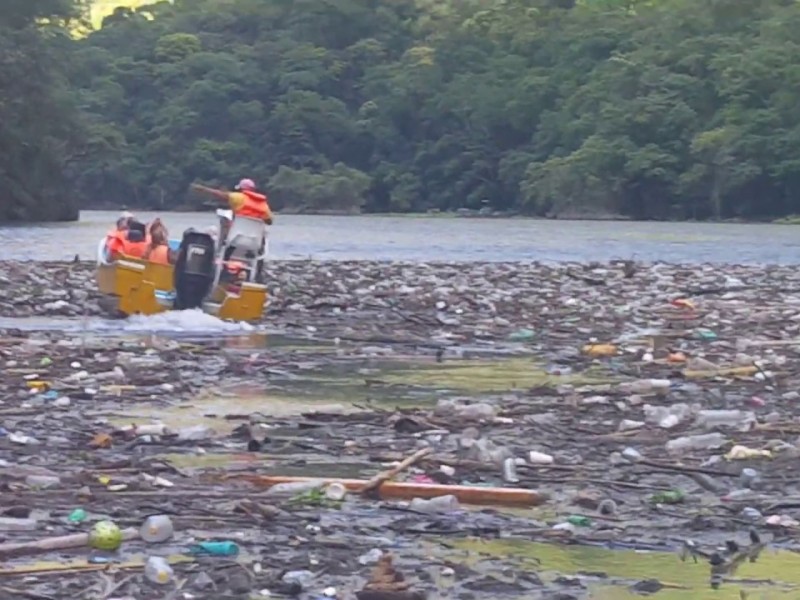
63, 542
397, 490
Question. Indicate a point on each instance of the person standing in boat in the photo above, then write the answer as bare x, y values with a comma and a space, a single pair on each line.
245, 200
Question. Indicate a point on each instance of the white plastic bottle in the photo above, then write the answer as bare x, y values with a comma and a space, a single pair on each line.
156, 529
439, 504
157, 570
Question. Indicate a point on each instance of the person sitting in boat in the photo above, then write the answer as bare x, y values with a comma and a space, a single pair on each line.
115, 239
135, 242
158, 244
245, 200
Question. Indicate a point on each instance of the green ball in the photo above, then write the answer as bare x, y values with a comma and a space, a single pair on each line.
105, 536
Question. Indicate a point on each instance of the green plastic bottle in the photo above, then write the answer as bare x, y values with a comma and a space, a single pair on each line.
215, 548
77, 516
670, 497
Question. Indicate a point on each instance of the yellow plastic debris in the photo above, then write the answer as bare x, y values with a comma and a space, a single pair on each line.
743, 453
600, 350
41, 386
684, 303
723, 372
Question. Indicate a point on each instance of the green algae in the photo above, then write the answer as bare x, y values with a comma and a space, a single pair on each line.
217, 411
772, 576
486, 376
250, 462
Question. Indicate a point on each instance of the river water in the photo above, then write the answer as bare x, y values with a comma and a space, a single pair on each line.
446, 239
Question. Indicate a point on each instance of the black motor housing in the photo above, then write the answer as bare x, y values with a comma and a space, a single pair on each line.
194, 269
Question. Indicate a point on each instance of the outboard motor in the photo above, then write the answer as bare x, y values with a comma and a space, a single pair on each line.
194, 269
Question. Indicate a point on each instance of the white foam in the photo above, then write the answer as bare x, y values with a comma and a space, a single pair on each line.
194, 320
186, 321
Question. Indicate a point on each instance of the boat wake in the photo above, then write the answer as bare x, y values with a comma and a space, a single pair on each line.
193, 321
182, 321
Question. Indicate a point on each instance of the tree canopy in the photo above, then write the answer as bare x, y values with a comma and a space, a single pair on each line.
40, 131
669, 109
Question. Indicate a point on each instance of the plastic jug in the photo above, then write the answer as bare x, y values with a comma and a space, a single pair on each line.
156, 529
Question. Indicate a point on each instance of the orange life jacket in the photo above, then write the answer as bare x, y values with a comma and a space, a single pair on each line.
158, 255
115, 242
255, 207
135, 249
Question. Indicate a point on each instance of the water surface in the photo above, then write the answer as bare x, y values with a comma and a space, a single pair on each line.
424, 238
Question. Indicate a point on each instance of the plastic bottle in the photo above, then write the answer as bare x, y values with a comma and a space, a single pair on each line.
370, 557
156, 529
440, 504
521, 335
669, 497
294, 488
215, 548
42, 481
631, 454
666, 417
301, 578
195, 433
540, 458
510, 470
749, 478
12, 524
646, 386
708, 441
740, 419
77, 516
752, 514
477, 411
335, 491
157, 570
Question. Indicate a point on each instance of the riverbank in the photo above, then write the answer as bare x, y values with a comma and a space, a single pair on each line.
681, 423
464, 213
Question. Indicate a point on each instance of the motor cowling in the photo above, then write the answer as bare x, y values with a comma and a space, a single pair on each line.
194, 269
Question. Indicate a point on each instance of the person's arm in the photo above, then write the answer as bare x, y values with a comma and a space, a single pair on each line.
268, 218
235, 200
219, 194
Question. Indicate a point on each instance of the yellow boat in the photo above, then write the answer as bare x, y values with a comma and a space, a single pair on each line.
201, 278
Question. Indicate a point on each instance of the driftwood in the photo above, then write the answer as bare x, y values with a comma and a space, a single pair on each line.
56, 543
380, 478
386, 583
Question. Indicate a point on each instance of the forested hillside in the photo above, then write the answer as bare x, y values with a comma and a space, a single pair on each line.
40, 134
667, 109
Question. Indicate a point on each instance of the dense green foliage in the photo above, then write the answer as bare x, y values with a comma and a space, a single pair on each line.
651, 109
39, 126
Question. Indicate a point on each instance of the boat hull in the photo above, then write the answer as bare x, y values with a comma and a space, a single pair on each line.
133, 286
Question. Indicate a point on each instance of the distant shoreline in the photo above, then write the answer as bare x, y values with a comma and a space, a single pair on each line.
477, 214
461, 214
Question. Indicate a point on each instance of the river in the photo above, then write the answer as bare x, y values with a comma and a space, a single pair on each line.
446, 239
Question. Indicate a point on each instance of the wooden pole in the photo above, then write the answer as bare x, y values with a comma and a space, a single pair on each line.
63, 542
396, 490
